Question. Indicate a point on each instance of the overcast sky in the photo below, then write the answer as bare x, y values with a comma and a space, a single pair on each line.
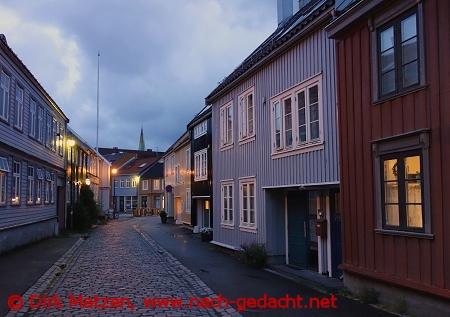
159, 59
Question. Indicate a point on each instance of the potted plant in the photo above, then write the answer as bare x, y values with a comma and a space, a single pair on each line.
206, 234
163, 216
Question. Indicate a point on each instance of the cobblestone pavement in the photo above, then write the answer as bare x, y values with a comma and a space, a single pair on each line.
119, 266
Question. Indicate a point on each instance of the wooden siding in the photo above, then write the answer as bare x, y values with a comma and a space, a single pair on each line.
407, 261
17, 145
309, 57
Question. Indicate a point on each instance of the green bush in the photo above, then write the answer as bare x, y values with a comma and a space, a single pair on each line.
253, 255
81, 219
87, 199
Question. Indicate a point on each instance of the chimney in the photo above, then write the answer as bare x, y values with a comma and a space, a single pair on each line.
285, 10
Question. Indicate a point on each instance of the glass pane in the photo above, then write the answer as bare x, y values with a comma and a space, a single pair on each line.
252, 190
387, 39
409, 51
230, 191
391, 192
244, 203
301, 116
252, 216
278, 140
313, 95
312, 230
390, 170
392, 215
288, 137
409, 28
412, 167
252, 203
302, 133
301, 99
288, 122
387, 60
388, 82
410, 74
413, 191
277, 110
312, 208
414, 216
314, 112
315, 130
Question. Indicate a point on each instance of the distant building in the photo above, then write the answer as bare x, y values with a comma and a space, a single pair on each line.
141, 146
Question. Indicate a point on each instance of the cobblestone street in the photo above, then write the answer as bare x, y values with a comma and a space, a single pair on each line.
117, 266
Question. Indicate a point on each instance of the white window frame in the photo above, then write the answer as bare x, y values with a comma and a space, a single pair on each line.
200, 129
188, 160
40, 124
53, 134
18, 107
246, 109
227, 203
134, 182
281, 118
145, 184
52, 188
33, 118
226, 126
30, 199
39, 177
47, 187
48, 133
5, 82
246, 223
127, 183
16, 183
177, 174
169, 164
4, 168
188, 200
122, 183
156, 184
201, 165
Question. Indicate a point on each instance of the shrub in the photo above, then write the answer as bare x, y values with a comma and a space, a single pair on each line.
253, 255
87, 199
81, 219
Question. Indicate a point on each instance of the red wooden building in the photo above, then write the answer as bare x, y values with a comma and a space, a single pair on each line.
393, 75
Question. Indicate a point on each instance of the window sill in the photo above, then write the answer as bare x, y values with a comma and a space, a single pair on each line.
248, 229
399, 94
408, 234
227, 226
226, 147
298, 150
247, 139
200, 179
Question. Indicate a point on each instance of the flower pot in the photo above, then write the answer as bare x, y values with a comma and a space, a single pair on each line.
206, 237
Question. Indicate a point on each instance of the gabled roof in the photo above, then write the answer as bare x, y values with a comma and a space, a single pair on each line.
206, 112
155, 171
180, 142
283, 34
136, 166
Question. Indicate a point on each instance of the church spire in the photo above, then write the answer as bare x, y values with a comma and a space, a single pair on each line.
141, 141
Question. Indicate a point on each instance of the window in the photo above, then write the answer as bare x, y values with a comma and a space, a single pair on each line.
246, 114
4, 168
200, 165
296, 118
40, 124
226, 125
402, 180
18, 115
177, 174
398, 54
156, 184
30, 199
128, 183
200, 129
53, 137
33, 118
188, 200
227, 203
48, 140
39, 177
4, 95
16, 183
145, 184
247, 203
188, 160
134, 182
169, 164
52, 188
60, 141
116, 184
47, 187
122, 183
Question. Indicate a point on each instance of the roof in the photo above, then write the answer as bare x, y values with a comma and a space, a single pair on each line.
181, 141
83, 144
283, 34
136, 165
206, 112
155, 171
27, 73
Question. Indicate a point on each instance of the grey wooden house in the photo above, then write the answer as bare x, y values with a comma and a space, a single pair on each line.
275, 149
32, 166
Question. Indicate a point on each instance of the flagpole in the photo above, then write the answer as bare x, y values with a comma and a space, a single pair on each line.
98, 94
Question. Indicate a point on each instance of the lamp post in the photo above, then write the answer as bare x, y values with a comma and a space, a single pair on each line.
114, 172
71, 143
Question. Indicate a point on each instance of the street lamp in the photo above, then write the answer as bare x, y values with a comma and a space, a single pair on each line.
71, 143
114, 172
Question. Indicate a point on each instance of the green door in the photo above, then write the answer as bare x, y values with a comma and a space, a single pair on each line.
297, 204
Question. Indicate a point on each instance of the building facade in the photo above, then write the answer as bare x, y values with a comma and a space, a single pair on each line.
151, 188
32, 150
394, 119
200, 167
276, 171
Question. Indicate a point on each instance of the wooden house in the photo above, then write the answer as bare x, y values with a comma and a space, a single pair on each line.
393, 67
275, 150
